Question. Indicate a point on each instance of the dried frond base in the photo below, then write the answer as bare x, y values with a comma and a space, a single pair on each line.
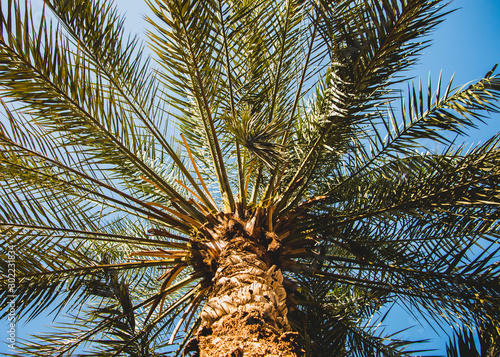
246, 310
245, 334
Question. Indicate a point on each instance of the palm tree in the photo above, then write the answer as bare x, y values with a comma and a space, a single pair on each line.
464, 342
263, 189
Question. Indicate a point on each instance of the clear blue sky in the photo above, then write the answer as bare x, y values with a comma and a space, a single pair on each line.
467, 44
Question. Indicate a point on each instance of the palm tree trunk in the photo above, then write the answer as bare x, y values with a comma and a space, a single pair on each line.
246, 314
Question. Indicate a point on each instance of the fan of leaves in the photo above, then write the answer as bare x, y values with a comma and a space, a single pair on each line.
283, 114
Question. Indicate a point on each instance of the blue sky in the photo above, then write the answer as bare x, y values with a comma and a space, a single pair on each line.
467, 44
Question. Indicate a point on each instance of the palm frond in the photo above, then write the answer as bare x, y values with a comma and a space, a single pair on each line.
464, 341
37, 73
370, 42
128, 76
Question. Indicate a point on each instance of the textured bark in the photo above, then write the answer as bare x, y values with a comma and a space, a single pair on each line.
246, 314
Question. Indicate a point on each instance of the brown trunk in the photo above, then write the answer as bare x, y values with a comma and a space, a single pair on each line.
246, 314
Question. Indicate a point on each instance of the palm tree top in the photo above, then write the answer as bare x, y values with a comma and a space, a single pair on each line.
263, 140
